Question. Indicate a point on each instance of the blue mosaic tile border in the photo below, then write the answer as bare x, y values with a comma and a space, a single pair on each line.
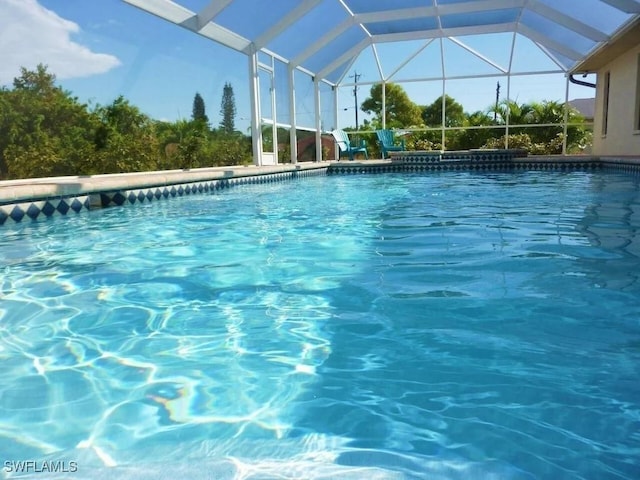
142, 195
149, 194
421, 158
46, 208
557, 166
39, 209
471, 156
621, 167
426, 167
448, 166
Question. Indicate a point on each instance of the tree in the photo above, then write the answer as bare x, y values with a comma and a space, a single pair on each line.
126, 140
44, 131
228, 109
518, 114
198, 112
477, 137
400, 111
454, 113
540, 140
39, 81
432, 117
193, 149
7, 123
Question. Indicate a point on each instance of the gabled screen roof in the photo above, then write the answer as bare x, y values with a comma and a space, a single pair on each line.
324, 37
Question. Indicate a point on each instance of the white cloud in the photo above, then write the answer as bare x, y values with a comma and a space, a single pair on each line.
30, 34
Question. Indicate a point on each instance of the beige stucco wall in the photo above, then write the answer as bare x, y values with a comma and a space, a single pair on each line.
622, 136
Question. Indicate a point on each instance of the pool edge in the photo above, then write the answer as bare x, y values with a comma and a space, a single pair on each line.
41, 198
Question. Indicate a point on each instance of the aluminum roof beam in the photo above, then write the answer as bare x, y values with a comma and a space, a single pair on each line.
301, 10
627, 6
445, 32
535, 36
405, 14
184, 17
435, 13
567, 21
322, 41
440, 10
478, 54
345, 57
211, 11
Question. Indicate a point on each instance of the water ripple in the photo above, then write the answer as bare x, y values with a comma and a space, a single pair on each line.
403, 327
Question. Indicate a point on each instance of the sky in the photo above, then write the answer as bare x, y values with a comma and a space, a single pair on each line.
100, 49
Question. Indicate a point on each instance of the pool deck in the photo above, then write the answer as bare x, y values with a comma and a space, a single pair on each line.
41, 198
12, 191
21, 200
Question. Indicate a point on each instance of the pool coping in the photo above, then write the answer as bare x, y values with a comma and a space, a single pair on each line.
12, 191
42, 198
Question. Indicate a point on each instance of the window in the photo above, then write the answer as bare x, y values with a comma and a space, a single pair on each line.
605, 103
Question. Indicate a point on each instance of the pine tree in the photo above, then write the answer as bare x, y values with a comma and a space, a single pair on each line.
228, 109
199, 112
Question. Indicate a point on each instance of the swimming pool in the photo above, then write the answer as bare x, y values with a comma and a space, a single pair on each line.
443, 326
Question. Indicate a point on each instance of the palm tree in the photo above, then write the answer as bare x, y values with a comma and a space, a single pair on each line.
511, 111
545, 113
549, 114
549, 111
476, 138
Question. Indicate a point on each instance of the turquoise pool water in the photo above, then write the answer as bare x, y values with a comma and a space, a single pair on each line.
439, 326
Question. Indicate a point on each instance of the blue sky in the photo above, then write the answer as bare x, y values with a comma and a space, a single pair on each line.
108, 48
100, 49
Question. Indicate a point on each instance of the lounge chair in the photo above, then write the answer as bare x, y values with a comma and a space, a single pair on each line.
388, 144
342, 139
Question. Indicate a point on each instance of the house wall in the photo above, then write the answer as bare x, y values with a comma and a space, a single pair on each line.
623, 133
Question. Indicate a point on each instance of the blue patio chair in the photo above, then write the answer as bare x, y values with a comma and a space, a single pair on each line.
388, 144
342, 139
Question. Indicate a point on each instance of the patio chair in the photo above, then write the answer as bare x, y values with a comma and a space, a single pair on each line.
388, 144
342, 139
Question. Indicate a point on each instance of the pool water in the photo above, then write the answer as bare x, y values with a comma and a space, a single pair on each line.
437, 326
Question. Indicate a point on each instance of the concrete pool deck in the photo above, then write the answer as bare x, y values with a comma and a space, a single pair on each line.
34, 199
45, 197
12, 191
